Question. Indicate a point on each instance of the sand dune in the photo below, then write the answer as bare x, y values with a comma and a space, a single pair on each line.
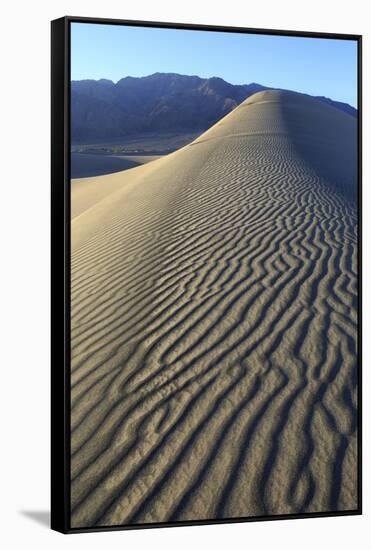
214, 317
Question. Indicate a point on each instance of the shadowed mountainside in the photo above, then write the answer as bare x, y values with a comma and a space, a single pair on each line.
214, 324
160, 102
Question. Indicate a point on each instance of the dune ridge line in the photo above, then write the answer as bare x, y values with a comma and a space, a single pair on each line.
214, 323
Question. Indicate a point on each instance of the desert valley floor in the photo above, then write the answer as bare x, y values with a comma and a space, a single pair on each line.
214, 323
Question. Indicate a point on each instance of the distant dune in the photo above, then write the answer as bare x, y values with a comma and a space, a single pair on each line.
214, 323
84, 165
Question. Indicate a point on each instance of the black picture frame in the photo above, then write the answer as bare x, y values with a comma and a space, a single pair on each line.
60, 270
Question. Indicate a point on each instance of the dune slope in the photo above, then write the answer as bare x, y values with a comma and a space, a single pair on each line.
214, 324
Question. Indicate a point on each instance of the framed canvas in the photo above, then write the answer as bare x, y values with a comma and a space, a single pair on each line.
206, 275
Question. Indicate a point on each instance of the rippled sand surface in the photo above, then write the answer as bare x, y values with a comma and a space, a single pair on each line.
214, 324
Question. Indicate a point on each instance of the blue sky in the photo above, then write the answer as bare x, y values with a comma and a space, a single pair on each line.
317, 66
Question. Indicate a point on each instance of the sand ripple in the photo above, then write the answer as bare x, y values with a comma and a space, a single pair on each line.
214, 324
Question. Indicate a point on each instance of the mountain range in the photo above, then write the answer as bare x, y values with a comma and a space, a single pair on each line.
161, 102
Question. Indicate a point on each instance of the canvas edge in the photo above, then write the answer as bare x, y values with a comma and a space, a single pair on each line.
60, 284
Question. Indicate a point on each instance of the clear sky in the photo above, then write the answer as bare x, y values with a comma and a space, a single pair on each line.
317, 66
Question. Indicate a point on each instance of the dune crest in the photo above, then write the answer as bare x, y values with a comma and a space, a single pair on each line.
214, 324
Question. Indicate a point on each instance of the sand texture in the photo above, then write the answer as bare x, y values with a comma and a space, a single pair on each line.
214, 324
85, 165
